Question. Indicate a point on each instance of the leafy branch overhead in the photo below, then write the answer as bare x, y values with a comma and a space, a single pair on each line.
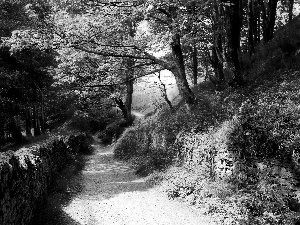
106, 46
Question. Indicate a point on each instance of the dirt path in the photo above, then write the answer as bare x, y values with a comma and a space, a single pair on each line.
105, 192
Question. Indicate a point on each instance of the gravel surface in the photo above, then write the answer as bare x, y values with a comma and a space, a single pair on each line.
103, 191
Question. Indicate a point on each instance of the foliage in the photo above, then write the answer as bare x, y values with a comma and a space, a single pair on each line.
157, 142
25, 81
127, 144
70, 61
80, 143
148, 150
112, 131
279, 53
229, 164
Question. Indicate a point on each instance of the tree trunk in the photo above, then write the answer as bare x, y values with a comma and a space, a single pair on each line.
234, 22
2, 130
178, 69
216, 57
36, 124
256, 22
129, 77
15, 130
126, 107
251, 27
128, 102
195, 64
269, 17
42, 116
217, 65
291, 7
272, 19
121, 106
164, 93
28, 122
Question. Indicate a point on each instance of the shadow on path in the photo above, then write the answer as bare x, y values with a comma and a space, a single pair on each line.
96, 177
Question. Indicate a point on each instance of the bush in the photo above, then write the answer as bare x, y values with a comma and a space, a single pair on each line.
96, 125
148, 146
127, 145
116, 128
106, 139
80, 143
112, 131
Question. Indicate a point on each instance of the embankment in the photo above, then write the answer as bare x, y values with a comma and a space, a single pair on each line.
25, 175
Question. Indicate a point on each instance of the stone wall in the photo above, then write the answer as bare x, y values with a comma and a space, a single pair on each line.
25, 176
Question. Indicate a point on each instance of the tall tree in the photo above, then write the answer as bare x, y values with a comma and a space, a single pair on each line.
217, 50
251, 26
268, 13
170, 14
233, 10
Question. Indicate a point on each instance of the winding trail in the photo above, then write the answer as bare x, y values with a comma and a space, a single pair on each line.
104, 191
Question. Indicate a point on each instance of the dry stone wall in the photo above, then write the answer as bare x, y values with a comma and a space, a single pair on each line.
25, 176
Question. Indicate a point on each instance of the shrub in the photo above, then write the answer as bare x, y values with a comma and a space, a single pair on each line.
112, 131
116, 128
80, 143
127, 145
106, 139
149, 147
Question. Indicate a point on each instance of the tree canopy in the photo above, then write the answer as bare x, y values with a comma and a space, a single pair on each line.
100, 48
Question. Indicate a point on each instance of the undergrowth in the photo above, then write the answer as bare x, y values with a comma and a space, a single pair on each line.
236, 154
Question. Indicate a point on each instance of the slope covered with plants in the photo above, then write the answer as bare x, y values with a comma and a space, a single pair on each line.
235, 154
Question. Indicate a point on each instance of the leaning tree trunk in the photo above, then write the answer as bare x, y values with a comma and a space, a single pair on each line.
164, 93
121, 106
178, 69
126, 107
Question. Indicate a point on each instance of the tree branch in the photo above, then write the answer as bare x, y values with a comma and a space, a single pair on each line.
113, 46
123, 82
118, 4
108, 54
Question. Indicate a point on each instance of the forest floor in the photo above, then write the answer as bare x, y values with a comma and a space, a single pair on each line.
100, 190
